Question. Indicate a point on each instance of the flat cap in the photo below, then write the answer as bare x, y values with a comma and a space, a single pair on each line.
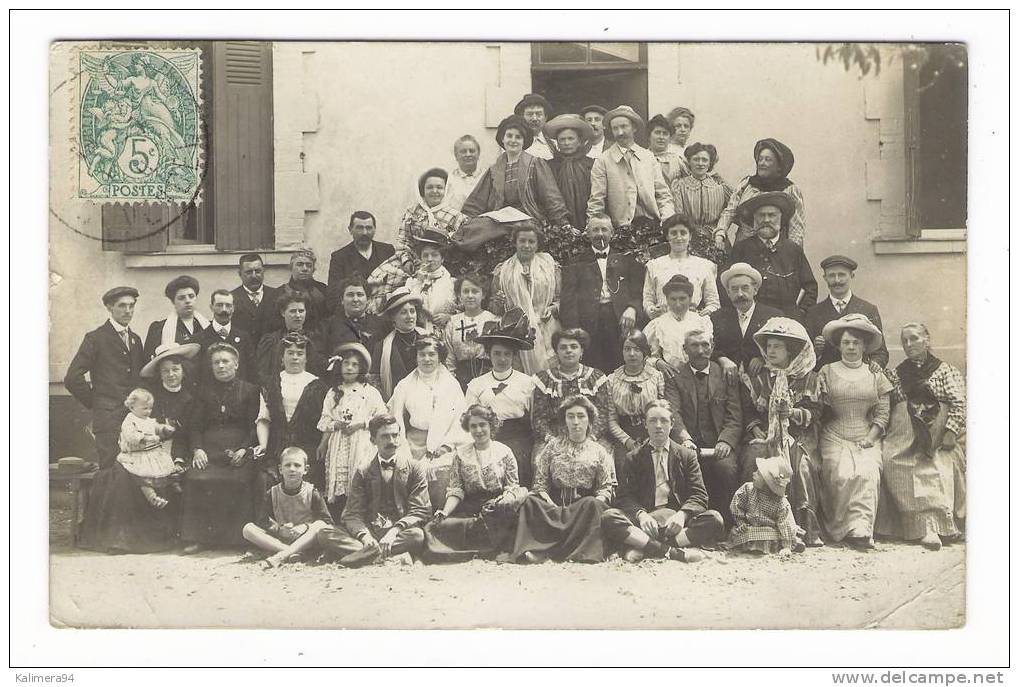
116, 292
832, 260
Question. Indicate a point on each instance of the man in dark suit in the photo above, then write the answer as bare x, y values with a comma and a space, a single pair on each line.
112, 355
838, 273
222, 329
787, 282
601, 294
361, 256
661, 509
387, 504
302, 279
254, 302
712, 419
735, 325
350, 322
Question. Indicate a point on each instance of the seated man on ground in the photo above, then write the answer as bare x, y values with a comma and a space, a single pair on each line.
387, 504
662, 506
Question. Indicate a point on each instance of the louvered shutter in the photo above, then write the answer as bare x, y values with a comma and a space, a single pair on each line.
241, 168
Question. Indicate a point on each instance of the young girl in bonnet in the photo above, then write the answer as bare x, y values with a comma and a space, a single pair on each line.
763, 516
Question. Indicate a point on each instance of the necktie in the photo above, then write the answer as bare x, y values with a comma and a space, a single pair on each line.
256, 298
702, 374
222, 332
771, 245
387, 464
125, 336
840, 306
601, 256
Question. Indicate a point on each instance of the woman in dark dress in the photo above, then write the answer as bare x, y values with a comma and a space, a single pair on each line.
293, 407
119, 519
225, 485
571, 167
394, 356
574, 482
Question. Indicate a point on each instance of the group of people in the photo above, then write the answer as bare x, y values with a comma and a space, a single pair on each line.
703, 398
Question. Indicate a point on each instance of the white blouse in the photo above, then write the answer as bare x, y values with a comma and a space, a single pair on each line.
665, 335
513, 399
699, 271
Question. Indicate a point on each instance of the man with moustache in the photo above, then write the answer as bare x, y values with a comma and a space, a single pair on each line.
626, 181
224, 330
595, 116
601, 293
735, 324
839, 271
787, 282
361, 256
463, 179
112, 356
254, 301
302, 278
536, 110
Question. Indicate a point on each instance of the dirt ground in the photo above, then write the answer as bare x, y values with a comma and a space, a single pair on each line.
896, 586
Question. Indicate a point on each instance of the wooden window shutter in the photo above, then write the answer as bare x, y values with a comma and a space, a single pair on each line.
241, 160
137, 228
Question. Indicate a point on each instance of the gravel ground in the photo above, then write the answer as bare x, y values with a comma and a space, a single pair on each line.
896, 586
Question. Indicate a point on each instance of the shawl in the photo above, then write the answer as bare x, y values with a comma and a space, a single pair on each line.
572, 175
169, 333
449, 406
386, 362
799, 367
533, 300
922, 403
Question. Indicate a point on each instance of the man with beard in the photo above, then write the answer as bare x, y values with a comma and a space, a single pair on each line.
254, 302
735, 325
787, 282
361, 256
302, 278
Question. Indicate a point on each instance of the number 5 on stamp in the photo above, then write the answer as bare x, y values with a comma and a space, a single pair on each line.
139, 125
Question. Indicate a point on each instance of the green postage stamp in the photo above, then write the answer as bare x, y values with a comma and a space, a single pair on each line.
139, 125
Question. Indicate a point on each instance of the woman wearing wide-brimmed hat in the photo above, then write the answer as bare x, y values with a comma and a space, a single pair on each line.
857, 397
924, 479
507, 391
774, 161
781, 411
172, 397
570, 163
518, 179
431, 213
349, 405
432, 281
394, 356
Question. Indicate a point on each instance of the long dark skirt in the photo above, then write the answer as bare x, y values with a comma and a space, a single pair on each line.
469, 533
519, 437
118, 518
563, 533
218, 501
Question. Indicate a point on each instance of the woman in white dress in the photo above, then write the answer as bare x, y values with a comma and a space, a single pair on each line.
699, 271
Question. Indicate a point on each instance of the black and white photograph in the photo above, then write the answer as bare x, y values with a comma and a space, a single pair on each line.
449, 333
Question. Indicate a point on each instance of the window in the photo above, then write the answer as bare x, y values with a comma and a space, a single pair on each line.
573, 75
936, 104
236, 209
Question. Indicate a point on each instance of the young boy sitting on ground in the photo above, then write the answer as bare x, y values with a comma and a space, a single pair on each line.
294, 512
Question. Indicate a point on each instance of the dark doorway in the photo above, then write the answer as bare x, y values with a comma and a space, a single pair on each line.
572, 75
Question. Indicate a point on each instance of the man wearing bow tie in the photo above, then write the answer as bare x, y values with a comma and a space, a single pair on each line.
387, 504
602, 291
787, 281
839, 271
710, 417
254, 301
112, 356
225, 330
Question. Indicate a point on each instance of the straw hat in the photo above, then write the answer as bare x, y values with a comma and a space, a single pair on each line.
568, 121
350, 346
399, 297
741, 269
858, 323
776, 472
164, 351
